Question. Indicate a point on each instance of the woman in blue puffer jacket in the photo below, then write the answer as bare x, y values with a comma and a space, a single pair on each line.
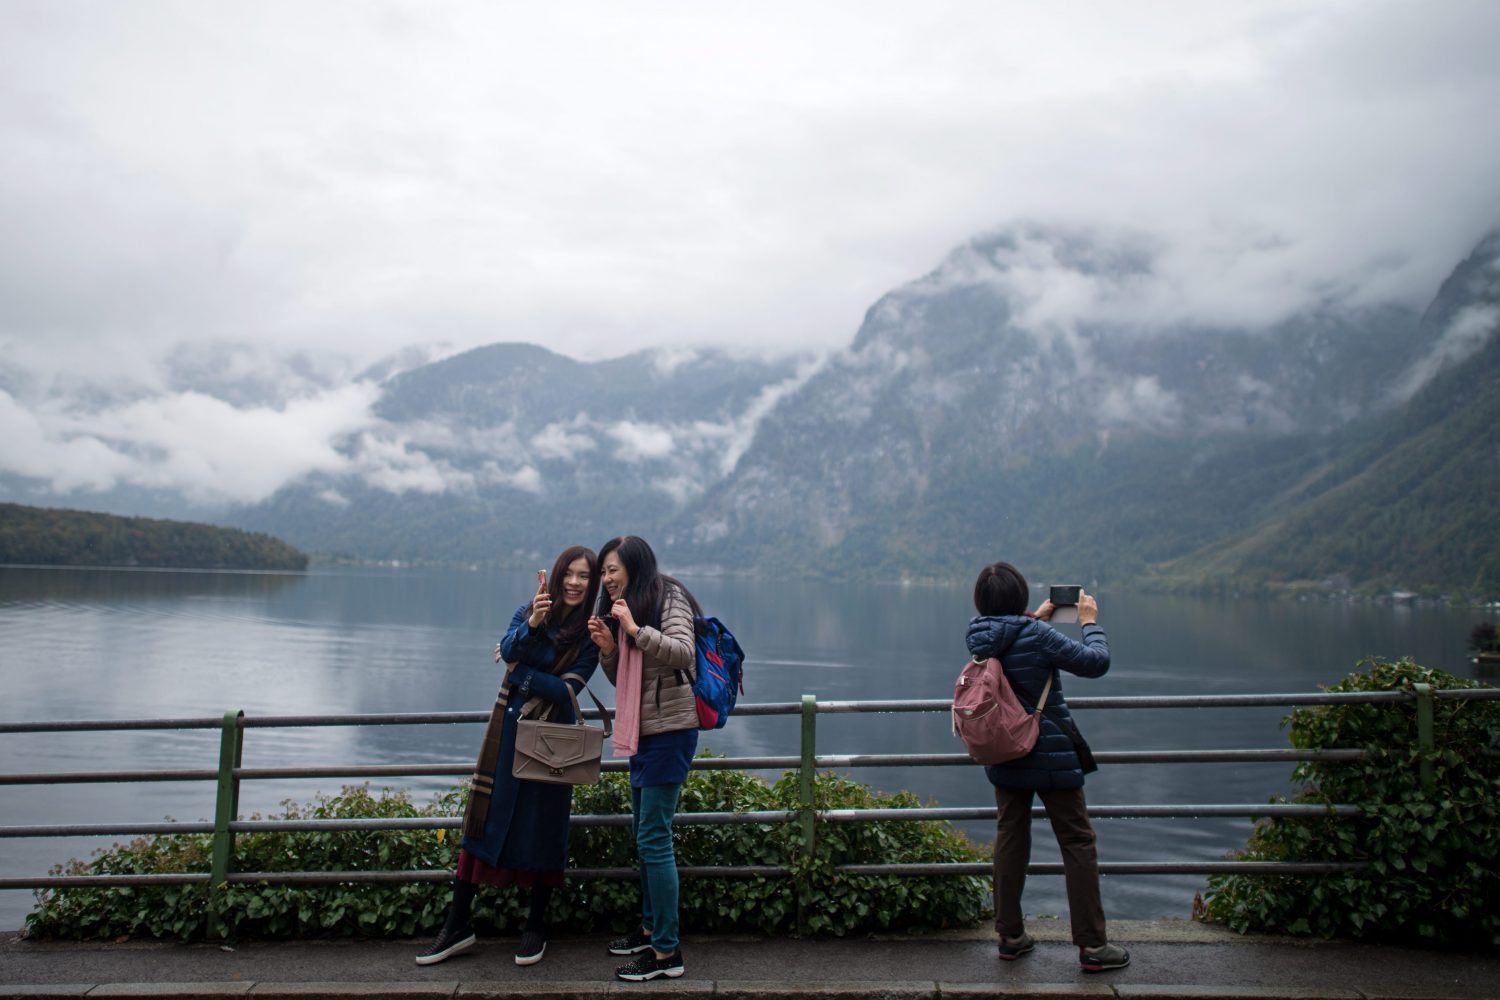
1032, 651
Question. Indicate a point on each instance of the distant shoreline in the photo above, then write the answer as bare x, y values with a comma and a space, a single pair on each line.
158, 569
318, 565
48, 536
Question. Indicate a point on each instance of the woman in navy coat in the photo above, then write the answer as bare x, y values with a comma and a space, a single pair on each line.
1031, 651
515, 831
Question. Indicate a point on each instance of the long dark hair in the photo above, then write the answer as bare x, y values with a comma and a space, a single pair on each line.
646, 591
572, 623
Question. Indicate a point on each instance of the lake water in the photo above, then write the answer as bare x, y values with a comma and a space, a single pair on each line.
102, 644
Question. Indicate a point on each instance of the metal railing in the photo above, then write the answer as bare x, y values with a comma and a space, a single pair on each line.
230, 773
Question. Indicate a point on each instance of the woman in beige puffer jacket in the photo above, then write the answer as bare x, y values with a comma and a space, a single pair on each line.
646, 645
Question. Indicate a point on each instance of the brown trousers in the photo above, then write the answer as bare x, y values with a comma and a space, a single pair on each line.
1075, 836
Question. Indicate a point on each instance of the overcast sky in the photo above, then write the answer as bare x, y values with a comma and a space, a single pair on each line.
349, 179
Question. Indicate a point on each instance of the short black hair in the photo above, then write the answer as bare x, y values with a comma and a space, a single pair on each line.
1001, 590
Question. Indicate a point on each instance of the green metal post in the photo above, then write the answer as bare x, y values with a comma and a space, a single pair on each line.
1424, 732
227, 802
809, 769
226, 808
805, 799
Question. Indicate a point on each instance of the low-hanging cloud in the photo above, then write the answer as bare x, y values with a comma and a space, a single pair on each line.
36, 449
1141, 403
1464, 336
216, 453
204, 448
389, 462
638, 440
760, 197
564, 441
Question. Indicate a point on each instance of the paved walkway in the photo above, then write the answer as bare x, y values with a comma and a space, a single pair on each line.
1171, 958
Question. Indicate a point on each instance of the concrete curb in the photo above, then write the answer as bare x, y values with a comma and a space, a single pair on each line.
690, 989
1171, 960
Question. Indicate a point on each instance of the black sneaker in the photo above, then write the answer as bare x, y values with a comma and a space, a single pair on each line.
529, 951
633, 943
648, 966
1013, 948
1103, 958
448, 942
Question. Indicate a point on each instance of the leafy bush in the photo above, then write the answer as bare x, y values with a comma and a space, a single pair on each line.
1433, 855
831, 904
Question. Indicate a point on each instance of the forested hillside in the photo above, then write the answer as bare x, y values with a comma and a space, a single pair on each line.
47, 537
1406, 501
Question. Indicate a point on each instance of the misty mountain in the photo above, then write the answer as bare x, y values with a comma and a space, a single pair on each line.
1033, 398
509, 452
964, 424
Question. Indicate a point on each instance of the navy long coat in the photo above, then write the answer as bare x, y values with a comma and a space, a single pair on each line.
527, 825
1030, 650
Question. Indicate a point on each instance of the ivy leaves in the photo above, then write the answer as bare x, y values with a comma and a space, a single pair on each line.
1432, 854
818, 899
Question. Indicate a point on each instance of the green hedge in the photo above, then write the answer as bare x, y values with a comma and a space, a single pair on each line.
1433, 855
832, 904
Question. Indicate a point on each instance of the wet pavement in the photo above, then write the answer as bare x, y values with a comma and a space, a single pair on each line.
1169, 958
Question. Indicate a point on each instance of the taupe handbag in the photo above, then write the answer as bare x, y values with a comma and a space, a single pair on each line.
561, 753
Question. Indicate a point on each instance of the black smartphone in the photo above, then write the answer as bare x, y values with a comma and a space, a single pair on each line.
1064, 596
1064, 600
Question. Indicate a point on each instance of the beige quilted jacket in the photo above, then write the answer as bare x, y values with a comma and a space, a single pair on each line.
668, 668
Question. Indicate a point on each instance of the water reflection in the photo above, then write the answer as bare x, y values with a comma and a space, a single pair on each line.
110, 644
109, 586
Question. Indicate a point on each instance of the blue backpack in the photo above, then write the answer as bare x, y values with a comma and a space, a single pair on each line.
721, 672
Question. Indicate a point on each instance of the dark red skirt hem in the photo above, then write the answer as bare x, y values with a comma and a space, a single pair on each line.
472, 869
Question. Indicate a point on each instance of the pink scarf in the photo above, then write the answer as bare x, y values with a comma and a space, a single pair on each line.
628, 698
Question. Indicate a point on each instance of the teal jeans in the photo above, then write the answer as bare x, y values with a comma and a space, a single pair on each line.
651, 811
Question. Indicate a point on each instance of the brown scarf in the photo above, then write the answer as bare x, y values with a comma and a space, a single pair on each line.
482, 784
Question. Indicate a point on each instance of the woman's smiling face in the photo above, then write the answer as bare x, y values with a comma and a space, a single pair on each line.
615, 578
575, 584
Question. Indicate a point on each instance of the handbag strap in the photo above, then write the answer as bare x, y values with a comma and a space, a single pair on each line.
1067, 725
609, 728
1046, 690
539, 707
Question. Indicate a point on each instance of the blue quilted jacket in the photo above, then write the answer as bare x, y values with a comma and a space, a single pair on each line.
1030, 650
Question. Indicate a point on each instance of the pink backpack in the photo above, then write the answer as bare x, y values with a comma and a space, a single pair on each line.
993, 724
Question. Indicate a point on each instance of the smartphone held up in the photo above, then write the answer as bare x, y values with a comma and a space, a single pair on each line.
1064, 598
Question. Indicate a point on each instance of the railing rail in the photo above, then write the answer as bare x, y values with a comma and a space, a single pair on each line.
767, 816
761, 708
821, 761
230, 773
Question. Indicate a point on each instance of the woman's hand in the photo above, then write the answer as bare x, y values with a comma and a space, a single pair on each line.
599, 632
1088, 609
1044, 613
498, 654
540, 605
621, 613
